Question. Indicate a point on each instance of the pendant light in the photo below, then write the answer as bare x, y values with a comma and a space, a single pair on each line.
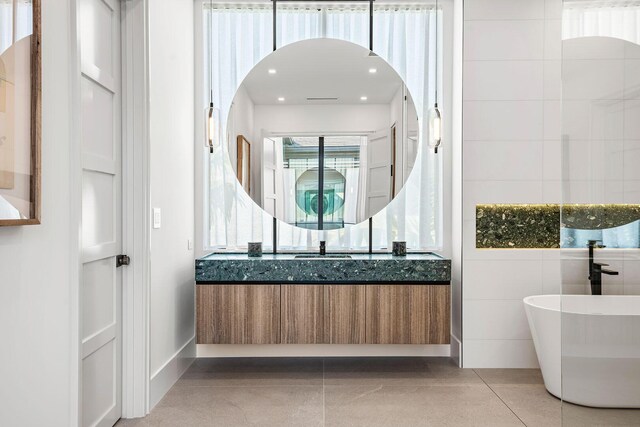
435, 117
211, 141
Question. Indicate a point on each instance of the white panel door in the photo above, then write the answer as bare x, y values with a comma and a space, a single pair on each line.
272, 183
101, 284
379, 159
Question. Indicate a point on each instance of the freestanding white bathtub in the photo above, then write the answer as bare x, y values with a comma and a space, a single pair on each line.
588, 347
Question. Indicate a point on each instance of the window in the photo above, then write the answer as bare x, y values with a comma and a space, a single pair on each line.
241, 36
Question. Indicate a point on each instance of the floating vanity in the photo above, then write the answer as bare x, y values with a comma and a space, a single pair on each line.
335, 299
322, 173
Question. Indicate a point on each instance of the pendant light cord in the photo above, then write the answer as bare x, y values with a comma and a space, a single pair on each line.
437, 29
211, 53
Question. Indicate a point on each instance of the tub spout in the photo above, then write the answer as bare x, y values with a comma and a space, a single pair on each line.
596, 271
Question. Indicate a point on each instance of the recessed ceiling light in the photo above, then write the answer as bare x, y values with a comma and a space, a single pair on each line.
281, 99
373, 70
272, 71
363, 98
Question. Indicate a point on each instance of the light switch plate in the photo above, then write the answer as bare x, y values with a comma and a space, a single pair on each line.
157, 218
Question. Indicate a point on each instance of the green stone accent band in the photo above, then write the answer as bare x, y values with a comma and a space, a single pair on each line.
537, 226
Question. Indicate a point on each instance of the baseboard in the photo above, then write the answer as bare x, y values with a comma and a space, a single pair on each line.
165, 377
322, 350
456, 350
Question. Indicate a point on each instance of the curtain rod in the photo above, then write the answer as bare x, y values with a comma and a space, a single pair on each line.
324, 1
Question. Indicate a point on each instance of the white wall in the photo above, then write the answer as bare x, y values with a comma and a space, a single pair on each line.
171, 89
321, 118
511, 153
36, 276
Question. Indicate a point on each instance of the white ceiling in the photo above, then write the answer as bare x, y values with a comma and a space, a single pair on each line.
322, 68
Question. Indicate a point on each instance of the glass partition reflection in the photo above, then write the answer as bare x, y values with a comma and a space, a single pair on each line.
599, 309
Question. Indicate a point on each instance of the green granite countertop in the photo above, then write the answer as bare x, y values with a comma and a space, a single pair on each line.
222, 268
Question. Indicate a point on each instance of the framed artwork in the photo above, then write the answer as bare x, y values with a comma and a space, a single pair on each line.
244, 163
20, 113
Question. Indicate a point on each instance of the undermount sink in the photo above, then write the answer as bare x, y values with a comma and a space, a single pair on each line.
323, 256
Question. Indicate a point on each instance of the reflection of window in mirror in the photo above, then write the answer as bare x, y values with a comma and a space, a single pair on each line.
341, 196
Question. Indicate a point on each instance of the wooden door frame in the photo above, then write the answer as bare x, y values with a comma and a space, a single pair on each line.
135, 208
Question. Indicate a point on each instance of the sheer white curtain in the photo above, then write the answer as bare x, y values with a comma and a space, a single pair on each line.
620, 19
404, 36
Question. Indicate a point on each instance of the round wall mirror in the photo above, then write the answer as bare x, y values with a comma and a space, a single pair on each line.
322, 134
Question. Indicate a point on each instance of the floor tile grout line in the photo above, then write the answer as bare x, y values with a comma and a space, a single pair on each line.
503, 402
323, 397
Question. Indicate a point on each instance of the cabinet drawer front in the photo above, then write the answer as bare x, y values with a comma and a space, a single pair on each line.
302, 314
345, 320
238, 314
408, 314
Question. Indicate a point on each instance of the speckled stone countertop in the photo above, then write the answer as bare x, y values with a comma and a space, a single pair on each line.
286, 268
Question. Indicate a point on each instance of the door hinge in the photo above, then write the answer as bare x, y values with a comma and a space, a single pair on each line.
122, 260
391, 170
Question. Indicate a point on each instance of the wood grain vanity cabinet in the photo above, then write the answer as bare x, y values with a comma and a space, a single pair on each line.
238, 314
302, 314
323, 314
344, 319
408, 314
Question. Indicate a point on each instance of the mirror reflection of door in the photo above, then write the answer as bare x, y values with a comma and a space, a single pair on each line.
379, 163
394, 157
272, 177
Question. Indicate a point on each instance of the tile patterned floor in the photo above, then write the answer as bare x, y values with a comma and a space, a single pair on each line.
366, 392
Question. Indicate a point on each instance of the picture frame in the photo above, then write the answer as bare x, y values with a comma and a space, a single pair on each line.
21, 122
244, 163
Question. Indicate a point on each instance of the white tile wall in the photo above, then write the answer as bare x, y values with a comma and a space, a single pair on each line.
512, 88
498, 280
631, 127
504, 9
523, 145
552, 119
503, 40
504, 120
496, 320
553, 33
502, 353
552, 80
499, 160
503, 80
583, 78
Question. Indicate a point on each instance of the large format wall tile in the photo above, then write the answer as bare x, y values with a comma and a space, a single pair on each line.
503, 120
504, 9
504, 40
512, 148
503, 80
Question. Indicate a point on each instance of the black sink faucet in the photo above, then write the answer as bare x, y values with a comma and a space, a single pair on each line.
595, 269
323, 247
